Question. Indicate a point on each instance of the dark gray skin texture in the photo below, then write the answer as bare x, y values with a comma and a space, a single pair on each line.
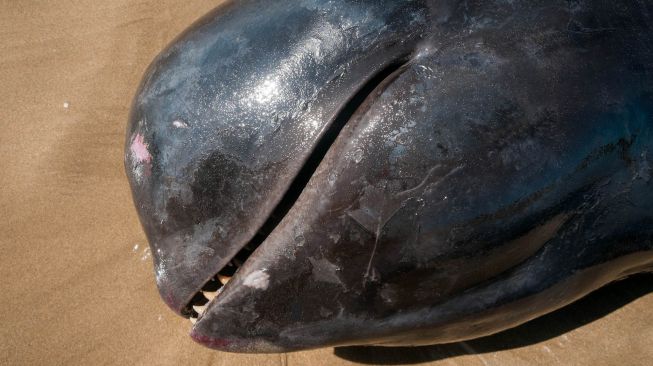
502, 172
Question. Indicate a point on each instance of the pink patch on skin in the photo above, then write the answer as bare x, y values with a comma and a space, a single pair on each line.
215, 343
139, 149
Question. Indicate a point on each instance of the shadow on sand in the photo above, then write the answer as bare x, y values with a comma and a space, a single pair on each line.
584, 311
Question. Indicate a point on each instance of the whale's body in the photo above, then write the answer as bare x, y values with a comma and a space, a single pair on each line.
404, 172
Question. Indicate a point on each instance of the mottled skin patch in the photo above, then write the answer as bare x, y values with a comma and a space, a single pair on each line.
501, 173
258, 280
139, 150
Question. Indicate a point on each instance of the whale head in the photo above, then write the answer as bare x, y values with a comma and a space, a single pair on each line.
316, 173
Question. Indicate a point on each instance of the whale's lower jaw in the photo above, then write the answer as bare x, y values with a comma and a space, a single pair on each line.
393, 173
411, 329
464, 317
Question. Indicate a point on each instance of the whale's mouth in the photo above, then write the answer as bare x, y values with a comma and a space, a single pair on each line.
214, 286
369, 90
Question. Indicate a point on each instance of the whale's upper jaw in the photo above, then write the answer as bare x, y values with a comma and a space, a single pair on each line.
391, 172
229, 114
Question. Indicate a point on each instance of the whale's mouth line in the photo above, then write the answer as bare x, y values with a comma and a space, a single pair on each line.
373, 87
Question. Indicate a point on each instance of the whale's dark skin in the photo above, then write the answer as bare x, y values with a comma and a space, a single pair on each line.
500, 170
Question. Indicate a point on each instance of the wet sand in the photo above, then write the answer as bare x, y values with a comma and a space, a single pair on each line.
77, 279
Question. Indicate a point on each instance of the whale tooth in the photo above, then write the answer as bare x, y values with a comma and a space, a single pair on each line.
210, 294
199, 309
223, 279
193, 320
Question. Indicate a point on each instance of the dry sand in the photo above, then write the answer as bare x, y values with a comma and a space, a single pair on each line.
77, 280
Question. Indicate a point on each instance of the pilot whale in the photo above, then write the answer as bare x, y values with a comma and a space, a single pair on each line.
315, 173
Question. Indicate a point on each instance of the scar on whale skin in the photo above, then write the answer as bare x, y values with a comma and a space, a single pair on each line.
140, 154
140, 157
258, 280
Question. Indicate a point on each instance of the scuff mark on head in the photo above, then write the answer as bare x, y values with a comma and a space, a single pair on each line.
140, 157
139, 151
258, 280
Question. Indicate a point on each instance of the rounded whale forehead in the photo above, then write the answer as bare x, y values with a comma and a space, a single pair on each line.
260, 85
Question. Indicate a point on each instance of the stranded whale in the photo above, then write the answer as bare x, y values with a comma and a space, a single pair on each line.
316, 173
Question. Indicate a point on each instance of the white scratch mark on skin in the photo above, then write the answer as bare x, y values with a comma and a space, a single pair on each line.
258, 280
425, 182
180, 124
135, 247
66, 105
469, 349
397, 202
376, 244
